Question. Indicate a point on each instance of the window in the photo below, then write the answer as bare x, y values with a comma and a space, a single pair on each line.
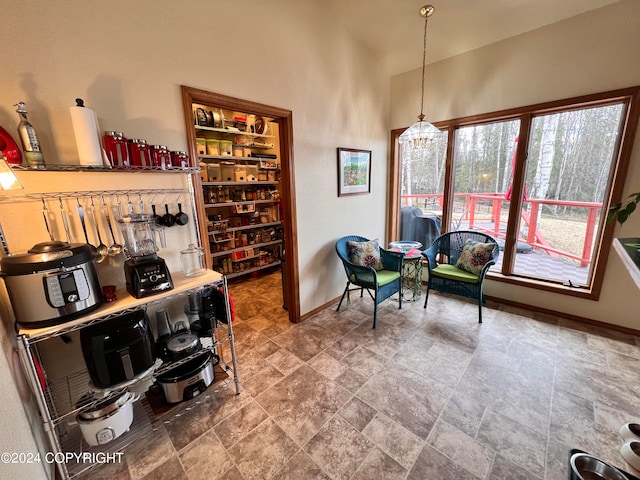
539, 179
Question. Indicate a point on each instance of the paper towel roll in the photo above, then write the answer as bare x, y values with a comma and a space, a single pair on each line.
87, 133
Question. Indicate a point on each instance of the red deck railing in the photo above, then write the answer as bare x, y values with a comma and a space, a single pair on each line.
534, 236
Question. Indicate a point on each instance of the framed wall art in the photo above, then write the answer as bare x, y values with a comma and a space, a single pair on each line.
354, 171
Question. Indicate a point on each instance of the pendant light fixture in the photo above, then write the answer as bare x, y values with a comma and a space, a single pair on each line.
419, 135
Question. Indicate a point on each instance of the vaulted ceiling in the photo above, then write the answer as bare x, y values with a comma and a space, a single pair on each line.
393, 29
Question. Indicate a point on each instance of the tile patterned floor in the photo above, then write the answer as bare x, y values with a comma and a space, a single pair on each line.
430, 394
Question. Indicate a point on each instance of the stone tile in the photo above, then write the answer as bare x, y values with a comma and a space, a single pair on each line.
108, 471
306, 340
200, 416
239, 424
327, 366
573, 421
364, 361
148, 453
377, 464
259, 323
462, 449
205, 458
514, 441
464, 413
301, 466
263, 451
303, 402
409, 399
341, 348
503, 469
169, 470
351, 380
284, 361
433, 465
357, 413
262, 380
395, 440
329, 446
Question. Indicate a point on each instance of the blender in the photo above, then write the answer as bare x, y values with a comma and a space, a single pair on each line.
145, 272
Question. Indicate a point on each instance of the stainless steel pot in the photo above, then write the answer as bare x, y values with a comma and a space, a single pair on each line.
587, 467
189, 379
51, 282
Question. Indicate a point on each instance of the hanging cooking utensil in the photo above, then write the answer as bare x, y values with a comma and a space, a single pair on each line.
157, 218
3, 241
45, 216
129, 206
168, 219
102, 249
181, 217
141, 204
115, 248
82, 222
65, 220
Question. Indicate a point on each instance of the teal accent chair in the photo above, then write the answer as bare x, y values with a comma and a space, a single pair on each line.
383, 283
446, 277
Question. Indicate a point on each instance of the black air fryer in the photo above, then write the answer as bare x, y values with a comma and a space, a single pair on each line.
118, 349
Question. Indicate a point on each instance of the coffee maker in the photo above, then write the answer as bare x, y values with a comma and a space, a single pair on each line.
145, 272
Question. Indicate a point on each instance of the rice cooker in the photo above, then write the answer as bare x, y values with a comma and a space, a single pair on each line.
108, 419
52, 282
189, 379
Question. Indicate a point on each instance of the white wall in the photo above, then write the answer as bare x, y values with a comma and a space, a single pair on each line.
127, 61
589, 53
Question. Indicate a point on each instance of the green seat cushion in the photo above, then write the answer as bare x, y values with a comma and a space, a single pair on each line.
454, 273
386, 276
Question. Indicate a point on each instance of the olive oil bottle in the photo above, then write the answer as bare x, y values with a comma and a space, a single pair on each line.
33, 156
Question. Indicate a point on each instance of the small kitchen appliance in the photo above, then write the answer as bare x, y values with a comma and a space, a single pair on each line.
107, 419
51, 283
188, 379
118, 349
145, 272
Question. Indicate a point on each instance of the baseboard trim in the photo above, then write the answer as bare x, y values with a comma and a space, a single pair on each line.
567, 316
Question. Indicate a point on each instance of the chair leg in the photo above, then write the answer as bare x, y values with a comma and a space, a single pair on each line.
480, 308
400, 295
375, 308
346, 291
426, 296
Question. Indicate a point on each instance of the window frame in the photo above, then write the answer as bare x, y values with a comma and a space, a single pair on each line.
630, 97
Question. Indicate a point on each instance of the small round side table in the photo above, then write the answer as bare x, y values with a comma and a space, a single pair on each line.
411, 270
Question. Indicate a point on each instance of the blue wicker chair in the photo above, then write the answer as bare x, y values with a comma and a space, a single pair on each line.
383, 283
446, 277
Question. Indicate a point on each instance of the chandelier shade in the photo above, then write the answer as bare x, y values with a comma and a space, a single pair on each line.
419, 135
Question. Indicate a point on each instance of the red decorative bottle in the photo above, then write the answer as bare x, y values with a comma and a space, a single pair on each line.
9, 148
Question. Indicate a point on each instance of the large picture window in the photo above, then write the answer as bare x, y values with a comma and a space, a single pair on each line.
539, 179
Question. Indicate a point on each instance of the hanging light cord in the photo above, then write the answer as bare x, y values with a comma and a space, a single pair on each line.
424, 60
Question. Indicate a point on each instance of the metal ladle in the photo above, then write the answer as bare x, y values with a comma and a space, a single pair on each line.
102, 249
115, 247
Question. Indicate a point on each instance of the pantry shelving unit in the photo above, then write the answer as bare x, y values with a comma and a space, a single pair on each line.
241, 192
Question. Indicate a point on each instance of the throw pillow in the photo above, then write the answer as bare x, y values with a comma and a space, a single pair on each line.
474, 256
366, 253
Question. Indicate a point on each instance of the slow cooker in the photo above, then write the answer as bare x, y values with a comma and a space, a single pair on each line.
189, 379
52, 282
